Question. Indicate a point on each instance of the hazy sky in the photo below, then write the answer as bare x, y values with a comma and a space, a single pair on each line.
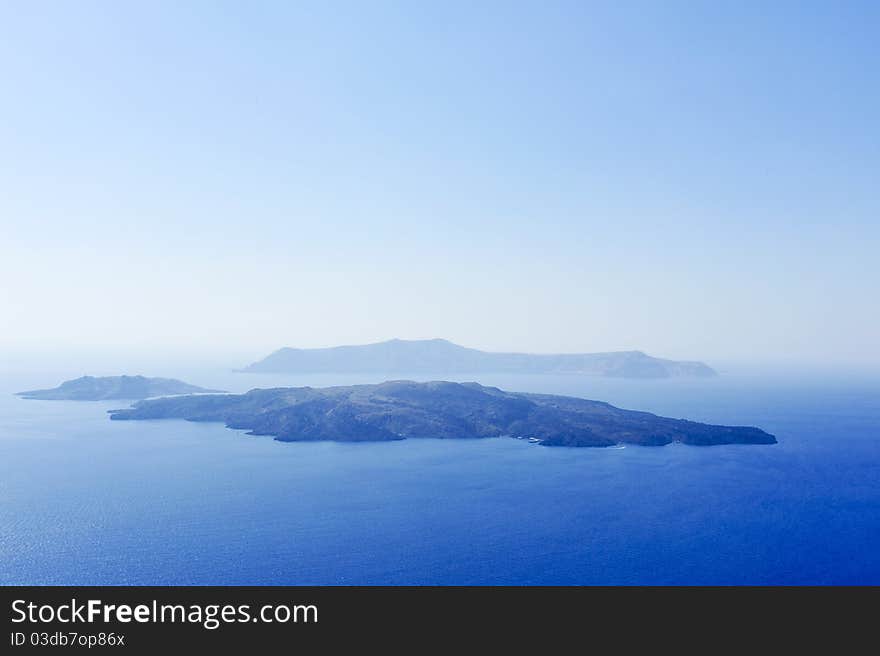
696, 180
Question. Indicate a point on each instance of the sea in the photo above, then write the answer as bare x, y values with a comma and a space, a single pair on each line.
87, 501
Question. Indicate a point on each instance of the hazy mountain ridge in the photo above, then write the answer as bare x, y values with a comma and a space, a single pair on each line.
404, 409
91, 388
442, 356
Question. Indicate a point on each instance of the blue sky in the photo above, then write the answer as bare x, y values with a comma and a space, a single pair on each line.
695, 180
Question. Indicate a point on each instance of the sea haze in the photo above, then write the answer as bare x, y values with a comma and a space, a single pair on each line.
84, 500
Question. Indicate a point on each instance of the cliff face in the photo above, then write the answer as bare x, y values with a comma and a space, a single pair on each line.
402, 409
89, 388
437, 356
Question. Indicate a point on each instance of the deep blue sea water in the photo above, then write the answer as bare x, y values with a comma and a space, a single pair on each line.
84, 500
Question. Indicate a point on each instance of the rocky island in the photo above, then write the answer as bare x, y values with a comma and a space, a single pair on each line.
107, 388
399, 410
439, 356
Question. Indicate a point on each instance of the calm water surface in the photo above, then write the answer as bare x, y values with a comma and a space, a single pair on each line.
84, 500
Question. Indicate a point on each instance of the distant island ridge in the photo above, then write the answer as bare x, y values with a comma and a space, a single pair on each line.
107, 388
397, 410
440, 356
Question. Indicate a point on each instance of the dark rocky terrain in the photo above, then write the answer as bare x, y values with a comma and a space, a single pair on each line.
90, 388
402, 409
438, 356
